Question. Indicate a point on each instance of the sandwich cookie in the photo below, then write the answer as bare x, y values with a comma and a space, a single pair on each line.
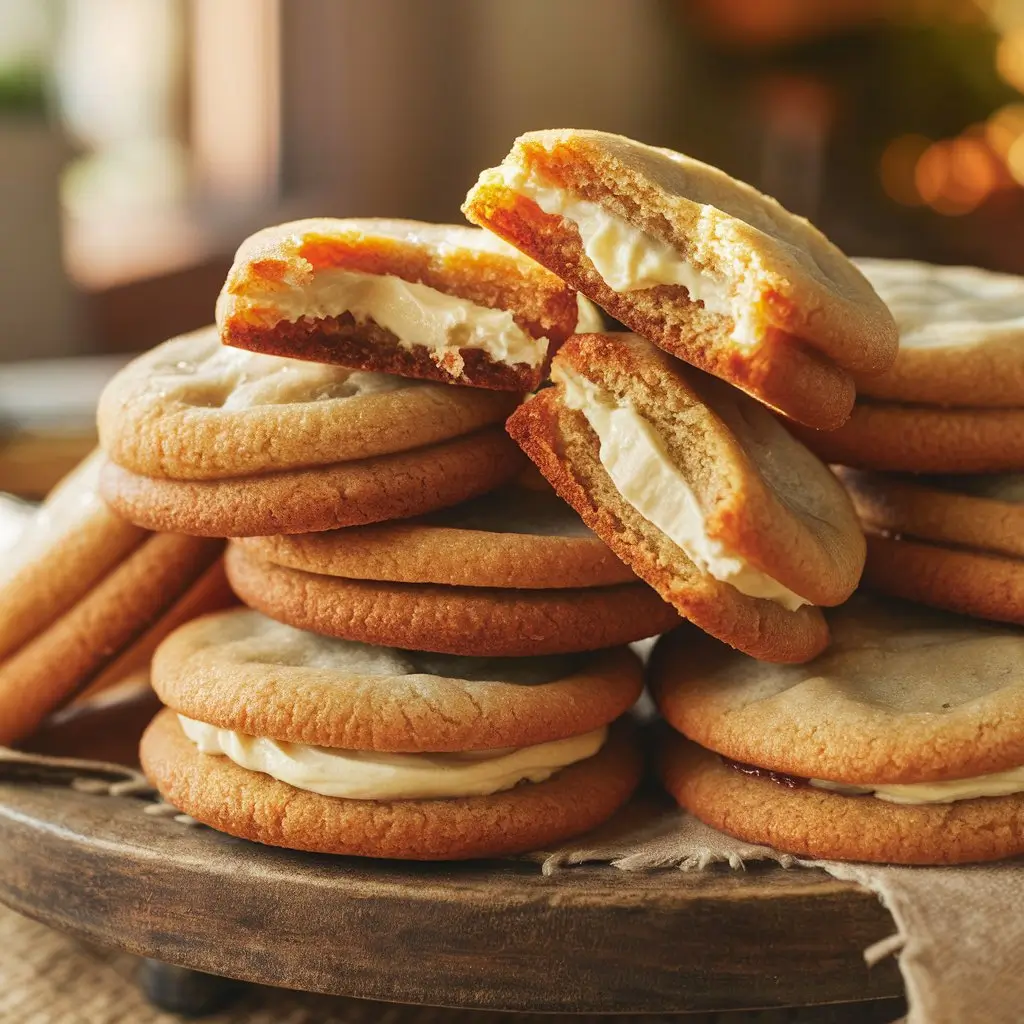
213, 441
902, 743
703, 265
517, 537
950, 542
79, 590
473, 621
699, 490
953, 402
386, 753
438, 301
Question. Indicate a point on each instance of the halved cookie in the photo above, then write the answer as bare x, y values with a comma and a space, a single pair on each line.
902, 742
352, 493
82, 589
705, 266
470, 621
699, 490
192, 409
438, 301
516, 537
961, 335
922, 439
386, 753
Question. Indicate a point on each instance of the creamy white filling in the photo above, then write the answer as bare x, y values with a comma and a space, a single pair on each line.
640, 467
370, 775
627, 258
415, 313
949, 791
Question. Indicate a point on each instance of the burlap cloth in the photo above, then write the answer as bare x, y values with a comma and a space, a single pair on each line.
959, 931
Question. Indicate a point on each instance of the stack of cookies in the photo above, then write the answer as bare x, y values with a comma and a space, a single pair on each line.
432, 663
934, 449
424, 619
902, 740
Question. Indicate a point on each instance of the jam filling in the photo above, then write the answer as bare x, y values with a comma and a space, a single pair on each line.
789, 781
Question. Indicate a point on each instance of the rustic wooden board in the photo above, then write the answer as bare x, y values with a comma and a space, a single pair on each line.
498, 935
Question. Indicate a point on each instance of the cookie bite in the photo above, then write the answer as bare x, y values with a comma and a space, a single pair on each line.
954, 542
705, 266
953, 401
208, 440
699, 490
78, 593
441, 302
902, 743
386, 753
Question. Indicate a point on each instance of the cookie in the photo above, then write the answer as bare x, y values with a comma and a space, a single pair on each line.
970, 582
922, 439
529, 816
63, 550
386, 753
76, 646
904, 694
192, 409
961, 335
705, 266
903, 742
470, 621
699, 490
440, 302
791, 815
981, 512
321, 498
517, 537
241, 671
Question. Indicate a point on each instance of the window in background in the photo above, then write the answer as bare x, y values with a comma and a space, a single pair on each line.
173, 108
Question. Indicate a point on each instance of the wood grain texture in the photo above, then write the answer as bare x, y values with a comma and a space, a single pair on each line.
490, 935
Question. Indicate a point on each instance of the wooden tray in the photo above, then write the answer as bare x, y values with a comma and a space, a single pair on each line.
497, 935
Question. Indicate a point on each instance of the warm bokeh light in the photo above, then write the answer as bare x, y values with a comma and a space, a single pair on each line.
955, 176
1004, 127
897, 166
1010, 58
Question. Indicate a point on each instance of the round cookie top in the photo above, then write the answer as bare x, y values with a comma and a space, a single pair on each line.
517, 537
193, 409
961, 334
242, 671
62, 551
904, 694
777, 269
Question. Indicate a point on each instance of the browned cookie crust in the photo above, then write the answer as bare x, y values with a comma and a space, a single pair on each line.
970, 582
812, 822
455, 260
473, 621
309, 500
512, 538
192, 409
561, 444
254, 806
69, 654
241, 671
818, 318
923, 439
369, 346
904, 694
928, 510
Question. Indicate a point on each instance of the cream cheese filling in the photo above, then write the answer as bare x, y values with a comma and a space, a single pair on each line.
642, 471
371, 775
626, 257
415, 313
946, 792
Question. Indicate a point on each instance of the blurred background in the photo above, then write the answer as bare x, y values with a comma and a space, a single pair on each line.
141, 140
